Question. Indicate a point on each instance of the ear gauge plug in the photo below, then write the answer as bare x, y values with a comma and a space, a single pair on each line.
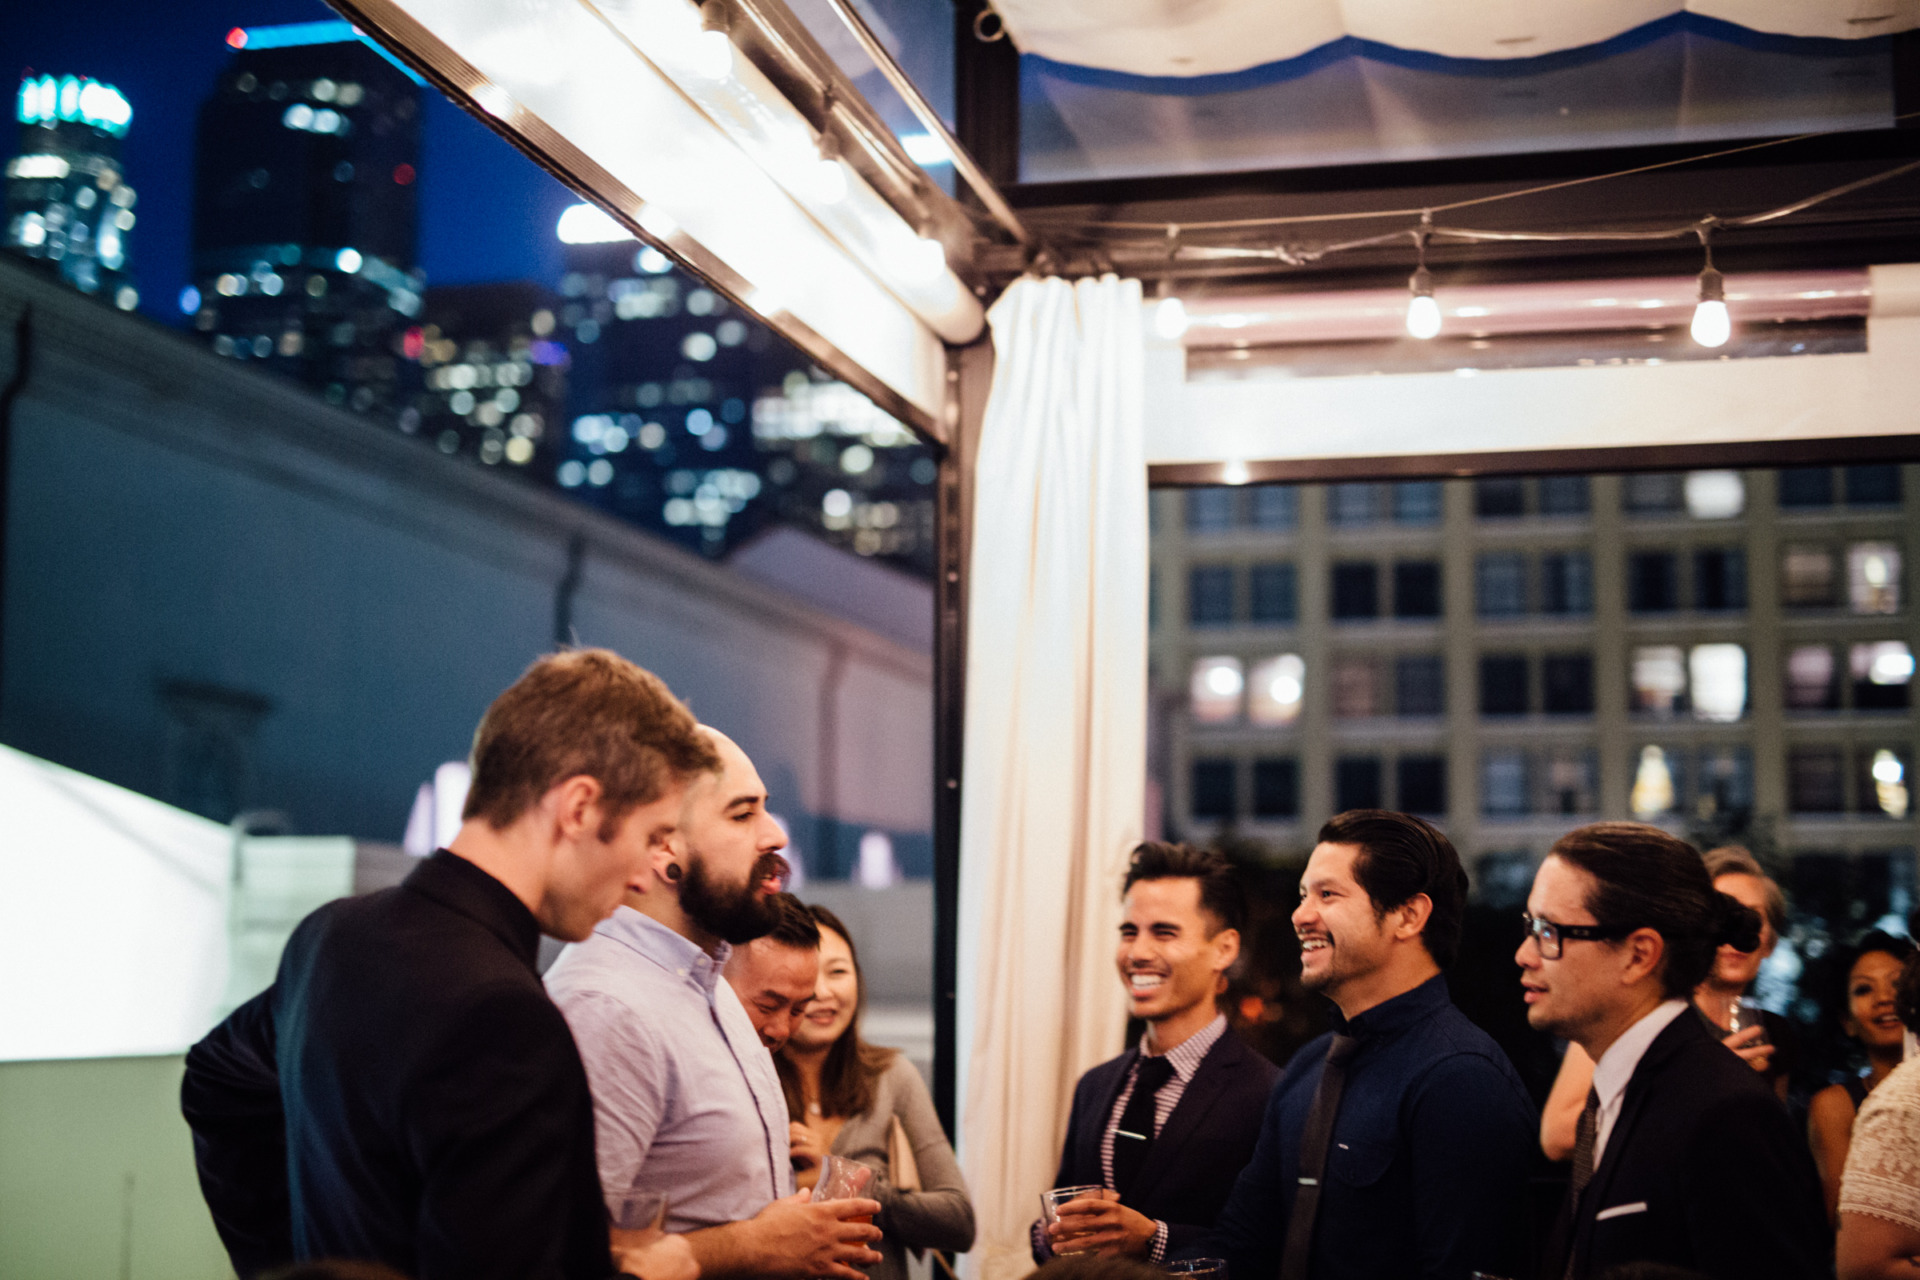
673, 871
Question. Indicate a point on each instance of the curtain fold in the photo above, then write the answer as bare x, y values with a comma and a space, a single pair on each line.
1054, 769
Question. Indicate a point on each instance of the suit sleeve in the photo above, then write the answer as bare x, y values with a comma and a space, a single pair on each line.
499, 1123
1470, 1131
1753, 1206
1250, 1232
230, 1097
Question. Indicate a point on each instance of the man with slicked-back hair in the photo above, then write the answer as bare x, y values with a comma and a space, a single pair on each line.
1683, 1155
405, 1093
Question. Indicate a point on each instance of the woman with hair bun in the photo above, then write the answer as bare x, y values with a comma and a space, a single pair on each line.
1873, 981
1880, 1192
1765, 1046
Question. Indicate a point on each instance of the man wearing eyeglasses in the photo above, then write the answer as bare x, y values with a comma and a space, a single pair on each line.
1398, 1145
1683, 1156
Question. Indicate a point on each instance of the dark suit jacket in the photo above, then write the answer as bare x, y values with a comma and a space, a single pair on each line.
404, 1093
1703, 1170
1200, 1150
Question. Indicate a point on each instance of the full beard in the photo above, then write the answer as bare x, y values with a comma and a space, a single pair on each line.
734, 913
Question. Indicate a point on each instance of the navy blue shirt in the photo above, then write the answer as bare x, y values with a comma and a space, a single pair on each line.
1427, 1173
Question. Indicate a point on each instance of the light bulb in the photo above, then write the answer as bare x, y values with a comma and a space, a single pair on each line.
1423, 316
1170, 319
917, 260
1423, 313
1712, 326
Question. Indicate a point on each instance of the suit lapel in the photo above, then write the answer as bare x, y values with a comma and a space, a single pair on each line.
1640, 1087
1201, 1093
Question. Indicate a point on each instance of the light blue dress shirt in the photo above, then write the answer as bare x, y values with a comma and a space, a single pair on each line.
685, 1100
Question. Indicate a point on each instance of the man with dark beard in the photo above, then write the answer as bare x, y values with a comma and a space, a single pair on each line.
690, 1122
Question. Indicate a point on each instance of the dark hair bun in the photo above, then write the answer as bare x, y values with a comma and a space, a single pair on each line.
1734, 924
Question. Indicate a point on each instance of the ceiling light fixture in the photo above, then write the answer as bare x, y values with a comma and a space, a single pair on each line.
1712, 326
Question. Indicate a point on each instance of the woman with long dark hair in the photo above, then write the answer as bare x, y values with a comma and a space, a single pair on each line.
849, 1098
1871, 1019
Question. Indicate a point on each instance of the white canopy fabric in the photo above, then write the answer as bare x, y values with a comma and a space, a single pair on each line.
1055, 760
124, 929
1182, 38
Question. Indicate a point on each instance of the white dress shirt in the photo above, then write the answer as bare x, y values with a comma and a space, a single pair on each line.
1616, 1067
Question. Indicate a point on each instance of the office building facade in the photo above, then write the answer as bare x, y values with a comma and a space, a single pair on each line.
1729, 654
69, 207
308, 152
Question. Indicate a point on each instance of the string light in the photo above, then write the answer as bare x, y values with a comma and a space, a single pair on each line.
829, 176
1423, 312
1170, 319
712, 50
1712, 326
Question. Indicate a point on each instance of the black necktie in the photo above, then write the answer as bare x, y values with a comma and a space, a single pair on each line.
1134, 1137
1314, 1141
1583, 1143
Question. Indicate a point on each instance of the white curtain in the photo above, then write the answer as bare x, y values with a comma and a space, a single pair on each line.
1055, 760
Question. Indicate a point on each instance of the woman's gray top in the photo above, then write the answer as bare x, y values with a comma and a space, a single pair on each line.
940, 1216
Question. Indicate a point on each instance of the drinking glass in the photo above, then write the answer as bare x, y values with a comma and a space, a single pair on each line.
1744, 1013
1200, 1268
841, 1179
1050, 1202
641, 1211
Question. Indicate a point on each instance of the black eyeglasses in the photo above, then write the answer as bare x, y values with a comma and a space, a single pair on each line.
1552, 937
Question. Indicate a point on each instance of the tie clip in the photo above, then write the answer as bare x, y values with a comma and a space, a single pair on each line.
1309, 1182
1122, 1133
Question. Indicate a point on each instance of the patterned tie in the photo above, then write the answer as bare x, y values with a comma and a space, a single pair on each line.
1314, 1141
1584, 1138
1134, 1137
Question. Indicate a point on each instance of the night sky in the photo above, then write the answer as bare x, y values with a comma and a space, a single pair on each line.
486, 212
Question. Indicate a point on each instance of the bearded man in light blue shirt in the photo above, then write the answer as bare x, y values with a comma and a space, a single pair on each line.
689, 1118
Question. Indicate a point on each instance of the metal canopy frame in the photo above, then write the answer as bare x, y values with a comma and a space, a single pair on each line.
981, 234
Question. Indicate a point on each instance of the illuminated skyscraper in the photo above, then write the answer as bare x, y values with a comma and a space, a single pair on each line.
67, 205
690, 418
493, 382
304, 211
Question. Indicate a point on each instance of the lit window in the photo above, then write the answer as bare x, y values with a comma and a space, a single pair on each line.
1718, 673
1873, 577
1653, 784
1882, 675
1886, 782
1275, 690
1806, 577
1356, 688
1215, 690
1811, 685
1659, 679
1715, 495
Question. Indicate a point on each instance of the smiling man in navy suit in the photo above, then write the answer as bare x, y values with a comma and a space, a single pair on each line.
1165, 1128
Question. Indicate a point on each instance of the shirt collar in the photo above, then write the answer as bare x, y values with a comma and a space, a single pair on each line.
1186, 1056
459, 885
678, 955
1391, 1017
1616, 1065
